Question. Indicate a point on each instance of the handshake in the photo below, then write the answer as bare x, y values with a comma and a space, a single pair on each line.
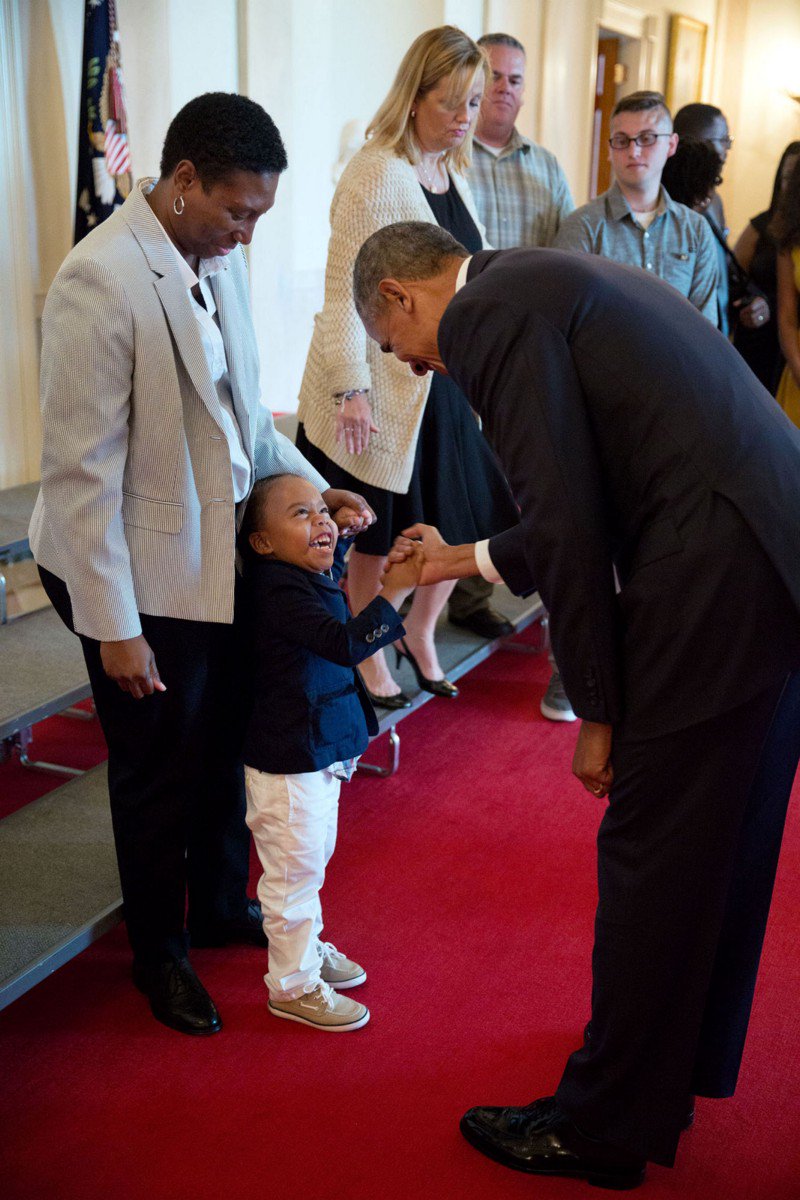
420, 556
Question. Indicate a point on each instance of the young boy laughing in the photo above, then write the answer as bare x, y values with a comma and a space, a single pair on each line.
303, 647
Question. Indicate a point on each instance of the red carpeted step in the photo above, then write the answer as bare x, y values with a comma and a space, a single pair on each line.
466, 887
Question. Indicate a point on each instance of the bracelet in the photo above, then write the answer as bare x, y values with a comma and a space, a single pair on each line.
340, 397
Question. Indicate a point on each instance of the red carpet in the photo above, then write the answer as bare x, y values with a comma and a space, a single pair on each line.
68, 741
466, 886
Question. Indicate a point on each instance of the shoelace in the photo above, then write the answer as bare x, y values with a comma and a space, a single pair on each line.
325, 990
329, 951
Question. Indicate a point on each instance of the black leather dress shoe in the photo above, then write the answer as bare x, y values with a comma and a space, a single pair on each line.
540, 1140
247, 929
177, 997
486, 623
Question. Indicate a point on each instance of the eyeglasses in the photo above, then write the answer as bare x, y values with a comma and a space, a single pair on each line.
621, 141
727, 142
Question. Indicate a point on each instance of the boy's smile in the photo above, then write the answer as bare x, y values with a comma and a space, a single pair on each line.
295, 526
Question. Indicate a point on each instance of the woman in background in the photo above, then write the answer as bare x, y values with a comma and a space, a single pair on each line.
691, 176
785, 229
412, 443
759, 345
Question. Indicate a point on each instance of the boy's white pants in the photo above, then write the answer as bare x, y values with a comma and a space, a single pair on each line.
293, 819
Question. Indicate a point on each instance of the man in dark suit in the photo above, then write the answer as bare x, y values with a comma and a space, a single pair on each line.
659, 486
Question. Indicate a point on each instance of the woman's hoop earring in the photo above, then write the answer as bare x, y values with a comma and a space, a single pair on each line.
175, 208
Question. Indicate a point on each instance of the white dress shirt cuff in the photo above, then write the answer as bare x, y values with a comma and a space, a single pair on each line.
485, 565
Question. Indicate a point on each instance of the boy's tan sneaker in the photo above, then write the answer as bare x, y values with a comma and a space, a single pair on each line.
323, 1008
338, 970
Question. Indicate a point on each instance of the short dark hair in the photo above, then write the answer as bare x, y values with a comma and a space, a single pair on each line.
501, 39
692, 173
256, 509
407, 250
693, 120
641, 102
221, 132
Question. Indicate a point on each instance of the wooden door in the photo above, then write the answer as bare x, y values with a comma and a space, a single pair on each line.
604, 100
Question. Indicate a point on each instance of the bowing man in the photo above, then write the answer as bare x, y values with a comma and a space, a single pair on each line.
659, 487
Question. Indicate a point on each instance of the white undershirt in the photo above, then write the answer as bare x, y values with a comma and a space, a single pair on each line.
214, 350
645, 219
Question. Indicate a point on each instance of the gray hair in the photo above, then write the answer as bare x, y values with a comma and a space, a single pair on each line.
501, 39
408, 250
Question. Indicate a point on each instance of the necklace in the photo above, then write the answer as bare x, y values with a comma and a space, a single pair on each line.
430, 179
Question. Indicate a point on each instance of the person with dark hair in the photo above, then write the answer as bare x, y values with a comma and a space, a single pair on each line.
636, 221
758, 341
785, 229
692, 173
691, 176
309, 720
707, 123
153, 436
660, 523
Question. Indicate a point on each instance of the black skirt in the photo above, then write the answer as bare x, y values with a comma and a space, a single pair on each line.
456, 482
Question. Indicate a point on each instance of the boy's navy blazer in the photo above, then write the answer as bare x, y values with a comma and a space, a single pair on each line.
308, 708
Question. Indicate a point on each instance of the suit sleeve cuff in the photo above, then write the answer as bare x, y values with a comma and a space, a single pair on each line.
484, 562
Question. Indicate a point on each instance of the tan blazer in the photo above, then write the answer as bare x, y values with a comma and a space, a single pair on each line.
136, 510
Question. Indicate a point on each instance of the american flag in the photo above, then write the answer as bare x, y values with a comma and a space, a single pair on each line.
104, 158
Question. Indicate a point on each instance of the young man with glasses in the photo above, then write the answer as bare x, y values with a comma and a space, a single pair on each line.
635, 221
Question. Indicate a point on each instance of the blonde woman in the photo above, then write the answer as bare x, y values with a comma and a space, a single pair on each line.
412, 444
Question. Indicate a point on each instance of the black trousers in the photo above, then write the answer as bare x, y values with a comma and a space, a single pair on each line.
175, 780
687, 854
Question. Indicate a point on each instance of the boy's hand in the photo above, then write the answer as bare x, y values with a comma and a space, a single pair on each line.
402, 577
442, 561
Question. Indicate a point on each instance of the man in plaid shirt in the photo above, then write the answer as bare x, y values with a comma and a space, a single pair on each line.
522, 196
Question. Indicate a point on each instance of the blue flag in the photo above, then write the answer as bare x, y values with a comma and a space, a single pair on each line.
104, 161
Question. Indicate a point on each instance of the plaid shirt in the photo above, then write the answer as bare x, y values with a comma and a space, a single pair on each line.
521, 194
678, 246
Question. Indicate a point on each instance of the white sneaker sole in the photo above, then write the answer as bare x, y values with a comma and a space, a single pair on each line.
277, 1012
556, 714
344, 984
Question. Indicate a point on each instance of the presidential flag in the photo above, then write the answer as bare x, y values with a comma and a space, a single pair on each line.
104, 160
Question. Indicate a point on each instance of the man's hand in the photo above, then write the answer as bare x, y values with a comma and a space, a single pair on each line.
132, 664
349, 510
591, 762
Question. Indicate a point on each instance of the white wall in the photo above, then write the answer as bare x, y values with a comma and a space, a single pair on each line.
758, 67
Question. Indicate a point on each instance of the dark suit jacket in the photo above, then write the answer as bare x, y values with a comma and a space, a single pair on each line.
308, 708
634, 436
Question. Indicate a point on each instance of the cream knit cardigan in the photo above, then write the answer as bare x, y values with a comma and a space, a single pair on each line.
376, 189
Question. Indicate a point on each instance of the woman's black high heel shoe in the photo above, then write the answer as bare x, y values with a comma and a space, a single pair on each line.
398, 700
437, 687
